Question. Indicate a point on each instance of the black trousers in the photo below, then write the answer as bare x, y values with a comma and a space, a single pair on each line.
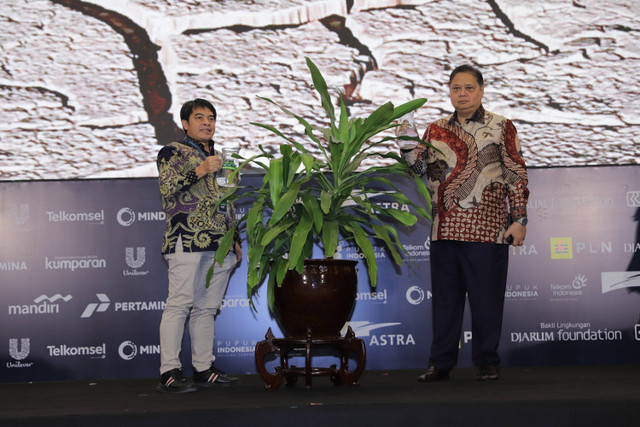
479, 271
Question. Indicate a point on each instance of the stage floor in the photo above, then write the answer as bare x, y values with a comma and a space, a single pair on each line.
601, 396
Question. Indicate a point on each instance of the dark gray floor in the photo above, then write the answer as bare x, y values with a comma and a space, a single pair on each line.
541, 396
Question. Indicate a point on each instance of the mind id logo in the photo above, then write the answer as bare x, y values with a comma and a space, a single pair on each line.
561, 248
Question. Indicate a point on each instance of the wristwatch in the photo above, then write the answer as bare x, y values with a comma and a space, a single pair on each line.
522, 221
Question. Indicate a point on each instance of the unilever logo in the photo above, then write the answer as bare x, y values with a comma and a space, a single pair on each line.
135, 260
19, 216
19, 352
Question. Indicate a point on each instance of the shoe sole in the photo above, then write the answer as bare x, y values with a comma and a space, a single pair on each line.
163, 389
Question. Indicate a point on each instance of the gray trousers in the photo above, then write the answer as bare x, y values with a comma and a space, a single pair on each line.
189, 296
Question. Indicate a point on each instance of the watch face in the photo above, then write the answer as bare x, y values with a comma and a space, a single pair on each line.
523, 221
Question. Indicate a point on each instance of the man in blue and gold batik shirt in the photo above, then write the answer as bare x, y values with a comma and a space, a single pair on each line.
187, 175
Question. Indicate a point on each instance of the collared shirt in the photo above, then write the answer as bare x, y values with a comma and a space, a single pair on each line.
188, 201
477, 179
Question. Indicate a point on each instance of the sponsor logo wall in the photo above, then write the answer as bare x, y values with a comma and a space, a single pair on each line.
83, 283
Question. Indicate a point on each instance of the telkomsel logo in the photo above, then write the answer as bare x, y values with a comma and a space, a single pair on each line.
633, 199
126, 216
561, 248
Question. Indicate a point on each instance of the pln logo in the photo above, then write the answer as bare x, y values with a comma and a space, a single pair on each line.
561, 248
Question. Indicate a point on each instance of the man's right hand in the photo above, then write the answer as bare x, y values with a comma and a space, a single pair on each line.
209, 165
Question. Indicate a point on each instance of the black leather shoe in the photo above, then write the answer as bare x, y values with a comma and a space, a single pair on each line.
488, 373
433, 374
212, 376
174, 382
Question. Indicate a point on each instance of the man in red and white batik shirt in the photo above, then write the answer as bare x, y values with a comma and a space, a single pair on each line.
478, 182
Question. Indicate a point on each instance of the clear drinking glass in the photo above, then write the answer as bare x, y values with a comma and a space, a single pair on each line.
229, 165
407, 127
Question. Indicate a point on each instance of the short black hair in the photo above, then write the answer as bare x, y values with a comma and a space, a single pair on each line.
187, 108
466, 68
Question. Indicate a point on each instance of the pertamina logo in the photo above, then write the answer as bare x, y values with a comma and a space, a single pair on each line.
104, 303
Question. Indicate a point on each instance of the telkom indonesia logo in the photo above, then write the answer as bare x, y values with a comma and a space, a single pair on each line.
97, 307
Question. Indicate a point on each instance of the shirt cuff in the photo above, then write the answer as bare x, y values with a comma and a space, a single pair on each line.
191, 177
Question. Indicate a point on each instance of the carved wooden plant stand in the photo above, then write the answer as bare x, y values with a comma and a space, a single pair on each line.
347, 344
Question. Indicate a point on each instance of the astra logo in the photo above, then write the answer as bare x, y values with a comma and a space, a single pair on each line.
633, 199
19, 352
126, 216
365, 328
98, 307
138, 260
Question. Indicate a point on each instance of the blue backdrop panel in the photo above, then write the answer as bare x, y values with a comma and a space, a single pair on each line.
83, 283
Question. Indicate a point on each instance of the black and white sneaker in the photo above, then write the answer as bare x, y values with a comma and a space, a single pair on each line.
174, 382
211, 376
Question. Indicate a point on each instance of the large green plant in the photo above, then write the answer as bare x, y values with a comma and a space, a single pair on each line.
305, 199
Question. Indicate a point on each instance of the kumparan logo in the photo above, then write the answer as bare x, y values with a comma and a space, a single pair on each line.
561, 248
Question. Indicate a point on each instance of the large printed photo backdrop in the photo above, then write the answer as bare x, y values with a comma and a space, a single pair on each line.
83, 283
93, 88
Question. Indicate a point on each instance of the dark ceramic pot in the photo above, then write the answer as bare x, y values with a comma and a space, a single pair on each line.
319, 301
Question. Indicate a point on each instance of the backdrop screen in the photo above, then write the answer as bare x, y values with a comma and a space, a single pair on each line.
92, 89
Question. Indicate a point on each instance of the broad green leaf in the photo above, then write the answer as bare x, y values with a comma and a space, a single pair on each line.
330, 236
285, 203
275, 179
325, 201
299, 239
